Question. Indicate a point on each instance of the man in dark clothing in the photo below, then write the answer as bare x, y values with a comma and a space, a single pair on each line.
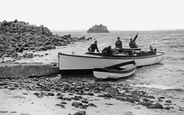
107, 51
93, 47
118, 43
132, 43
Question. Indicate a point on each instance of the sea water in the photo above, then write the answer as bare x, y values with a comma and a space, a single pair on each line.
167, 75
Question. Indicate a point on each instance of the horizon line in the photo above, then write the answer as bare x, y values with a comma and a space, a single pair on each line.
80, 30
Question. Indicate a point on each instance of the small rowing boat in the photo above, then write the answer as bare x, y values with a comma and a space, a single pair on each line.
116, 71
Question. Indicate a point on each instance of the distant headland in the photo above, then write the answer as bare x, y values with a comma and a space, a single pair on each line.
98, 29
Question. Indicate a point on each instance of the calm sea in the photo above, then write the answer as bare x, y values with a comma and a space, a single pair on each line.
167, 76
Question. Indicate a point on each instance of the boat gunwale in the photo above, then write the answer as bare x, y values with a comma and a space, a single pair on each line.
113, 57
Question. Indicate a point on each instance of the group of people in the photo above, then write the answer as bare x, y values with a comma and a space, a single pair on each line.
118, 47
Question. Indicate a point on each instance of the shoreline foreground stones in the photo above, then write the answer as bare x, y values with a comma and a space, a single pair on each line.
77, 91
98, 29
18, 36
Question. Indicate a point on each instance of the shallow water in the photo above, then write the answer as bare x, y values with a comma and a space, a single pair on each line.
168, 75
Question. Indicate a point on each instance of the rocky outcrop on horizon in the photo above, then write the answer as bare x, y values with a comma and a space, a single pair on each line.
98, 29
18, 36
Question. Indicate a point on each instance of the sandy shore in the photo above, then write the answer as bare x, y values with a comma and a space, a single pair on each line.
19, 100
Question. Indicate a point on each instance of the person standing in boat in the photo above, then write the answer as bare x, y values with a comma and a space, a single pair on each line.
118, 43
132, 42
93, 47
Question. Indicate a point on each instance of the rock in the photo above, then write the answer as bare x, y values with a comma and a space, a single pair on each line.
98, 29
25, 93
51, 94
60, 105
128, 113
77, 97
77, 104
63, 103
155, 106
85, 101
147, 103
80, 113
18, 36
108, 104
92, 105
121, 98
112, 91
90, 38
168, 101
3, 111
89, 93
168, 108
181, 109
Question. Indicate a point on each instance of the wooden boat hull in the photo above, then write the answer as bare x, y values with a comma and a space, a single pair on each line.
85, 62
140, 60
113, 73
89, 61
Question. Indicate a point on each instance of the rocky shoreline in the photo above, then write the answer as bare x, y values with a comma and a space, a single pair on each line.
19, 36
74, 91
53, 95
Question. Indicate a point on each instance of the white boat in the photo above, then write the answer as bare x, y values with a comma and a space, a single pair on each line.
95, 60
116, 71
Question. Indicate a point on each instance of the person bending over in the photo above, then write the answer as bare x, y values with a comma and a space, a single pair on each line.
93, 47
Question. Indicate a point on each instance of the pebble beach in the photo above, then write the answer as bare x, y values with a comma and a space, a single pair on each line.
84, 94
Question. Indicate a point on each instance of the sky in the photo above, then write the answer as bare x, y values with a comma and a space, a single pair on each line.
82, 14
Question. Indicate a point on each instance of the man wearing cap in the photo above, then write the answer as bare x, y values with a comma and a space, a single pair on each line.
118, 43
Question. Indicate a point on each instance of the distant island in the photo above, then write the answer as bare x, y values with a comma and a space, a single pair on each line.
98, 29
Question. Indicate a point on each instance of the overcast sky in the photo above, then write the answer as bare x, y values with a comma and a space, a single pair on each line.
83, 14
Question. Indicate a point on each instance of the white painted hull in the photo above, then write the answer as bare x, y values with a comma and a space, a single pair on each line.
82, 62
116, 71
109, 75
